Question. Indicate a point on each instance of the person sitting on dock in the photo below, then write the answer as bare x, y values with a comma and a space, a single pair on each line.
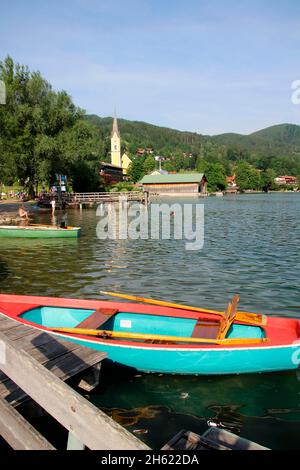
23, 213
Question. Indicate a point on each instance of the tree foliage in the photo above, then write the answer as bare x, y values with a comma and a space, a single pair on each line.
149, 164
41, 131
215, 174
247, 177
136, 170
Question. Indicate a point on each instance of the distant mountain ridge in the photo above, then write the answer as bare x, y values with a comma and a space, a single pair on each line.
280, 139
141, 134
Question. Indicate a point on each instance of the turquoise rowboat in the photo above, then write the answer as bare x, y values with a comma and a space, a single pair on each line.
163, 339
38, 231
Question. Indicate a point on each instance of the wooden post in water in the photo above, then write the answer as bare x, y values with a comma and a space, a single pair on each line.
146, 198
91, 379
74, 443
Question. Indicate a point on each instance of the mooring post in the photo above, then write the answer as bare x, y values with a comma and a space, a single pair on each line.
74, 443
91, 378
146, 198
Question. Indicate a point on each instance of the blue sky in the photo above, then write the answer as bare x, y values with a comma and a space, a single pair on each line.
206, 66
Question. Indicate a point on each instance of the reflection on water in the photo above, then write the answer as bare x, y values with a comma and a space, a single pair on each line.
263, 407
4, 270
251, 248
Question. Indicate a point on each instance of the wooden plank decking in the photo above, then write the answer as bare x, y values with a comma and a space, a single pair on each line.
64, 359
87, 425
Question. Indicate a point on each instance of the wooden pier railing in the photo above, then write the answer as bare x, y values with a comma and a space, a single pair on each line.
90, 199
87, 425
103, 197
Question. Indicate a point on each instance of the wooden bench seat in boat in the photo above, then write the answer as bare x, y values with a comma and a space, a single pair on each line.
216, 329
97, 318
206, 329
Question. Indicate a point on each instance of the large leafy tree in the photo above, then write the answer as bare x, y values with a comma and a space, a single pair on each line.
215, 174
41, 131
247, 177
149, 164
136, 169
268, 179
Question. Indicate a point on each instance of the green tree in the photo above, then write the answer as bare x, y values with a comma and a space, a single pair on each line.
136, 170
169, 166
215, 174
86, 177
247, 177
268, 179
149, 164
41, 131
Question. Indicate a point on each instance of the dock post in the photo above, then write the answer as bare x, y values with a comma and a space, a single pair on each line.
74, 443
91, 379
146, 198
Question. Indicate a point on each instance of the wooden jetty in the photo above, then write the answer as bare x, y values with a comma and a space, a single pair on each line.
211, 439
34, 367
92, 199
96, 198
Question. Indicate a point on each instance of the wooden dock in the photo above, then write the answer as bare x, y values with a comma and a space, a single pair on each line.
34, 367
62, 358
92, 199
96, 198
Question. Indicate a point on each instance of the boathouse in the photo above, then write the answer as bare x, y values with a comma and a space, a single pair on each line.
178, 183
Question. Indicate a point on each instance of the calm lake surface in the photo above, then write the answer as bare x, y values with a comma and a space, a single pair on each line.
251, 247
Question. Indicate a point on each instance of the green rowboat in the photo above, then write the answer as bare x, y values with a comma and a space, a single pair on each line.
38, 231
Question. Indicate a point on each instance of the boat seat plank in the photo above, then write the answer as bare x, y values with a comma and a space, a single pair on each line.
96, 319
206, 329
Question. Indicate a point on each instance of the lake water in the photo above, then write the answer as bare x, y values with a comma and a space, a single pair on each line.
250, 248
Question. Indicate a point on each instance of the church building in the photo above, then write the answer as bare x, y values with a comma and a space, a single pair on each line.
113, 172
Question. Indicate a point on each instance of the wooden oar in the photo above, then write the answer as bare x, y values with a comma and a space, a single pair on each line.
245, 317
126, 335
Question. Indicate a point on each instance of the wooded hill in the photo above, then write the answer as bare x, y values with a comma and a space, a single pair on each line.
281, 139
256, 158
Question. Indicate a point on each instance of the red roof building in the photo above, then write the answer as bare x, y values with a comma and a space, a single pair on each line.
230, 180
286, 179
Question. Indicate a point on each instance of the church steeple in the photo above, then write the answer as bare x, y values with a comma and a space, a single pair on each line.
115, 143
115, 128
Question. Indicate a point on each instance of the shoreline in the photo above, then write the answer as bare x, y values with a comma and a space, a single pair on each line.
11, 205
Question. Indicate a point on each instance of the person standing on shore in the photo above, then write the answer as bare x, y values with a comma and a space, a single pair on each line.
53, 206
